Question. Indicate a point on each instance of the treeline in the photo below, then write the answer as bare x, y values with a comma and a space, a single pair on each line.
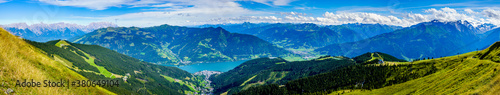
52, 50
171, 44
144, 77
365, 58
388, 57
236, 76
121, 64
353, 77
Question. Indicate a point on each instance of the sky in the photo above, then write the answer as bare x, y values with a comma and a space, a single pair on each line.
145, 13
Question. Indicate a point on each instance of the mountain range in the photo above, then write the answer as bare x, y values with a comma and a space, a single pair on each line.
427, 39
366, 30
42, 32
307, 35
297, 36
173, 44
234, 28
183, 45
365, 64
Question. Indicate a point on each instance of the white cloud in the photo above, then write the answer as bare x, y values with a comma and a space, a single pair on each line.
327, 19
291, 14
448, 14
469, 11
492, 13
3, 1
304, 8
164, 5
493, 16
273, 2
361, 17
177, 12
408, 19
202, 11
91, 4
415, 18
281, 2
228, 11
104, 4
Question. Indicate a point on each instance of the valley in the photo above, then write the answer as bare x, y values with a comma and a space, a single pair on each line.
175, 45
249, 47
215, 66
217, 61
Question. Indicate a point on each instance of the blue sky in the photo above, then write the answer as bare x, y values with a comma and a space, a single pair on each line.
144, 13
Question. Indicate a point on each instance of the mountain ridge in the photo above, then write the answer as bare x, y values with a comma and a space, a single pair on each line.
428, 39
175, 44
42, 32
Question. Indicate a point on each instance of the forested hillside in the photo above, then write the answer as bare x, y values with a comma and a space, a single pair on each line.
265, 71
300, 36
173, 44
134, 76
366, 30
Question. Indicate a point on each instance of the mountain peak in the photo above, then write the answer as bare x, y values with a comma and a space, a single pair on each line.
464, 22
246, 23
39, 28
485, 27
219, 28
16, 25
435, 20
461, 25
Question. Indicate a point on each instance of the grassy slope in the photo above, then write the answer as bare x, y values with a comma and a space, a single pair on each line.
88, 59
470, 73
19, 60
100, 68
473, 75
150, 74
188, 84
110, 63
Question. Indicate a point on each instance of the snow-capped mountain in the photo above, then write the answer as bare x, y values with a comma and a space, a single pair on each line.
463, 24
61, 26
486, 27
46, 32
